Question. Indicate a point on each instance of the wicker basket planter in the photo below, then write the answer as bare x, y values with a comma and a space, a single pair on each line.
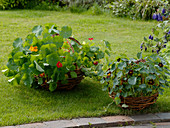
137, 103
53, 59
136, 83
72, 82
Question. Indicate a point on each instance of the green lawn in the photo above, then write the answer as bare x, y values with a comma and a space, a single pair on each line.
19, 104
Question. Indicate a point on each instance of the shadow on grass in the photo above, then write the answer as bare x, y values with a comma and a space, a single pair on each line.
86, 99
21, 104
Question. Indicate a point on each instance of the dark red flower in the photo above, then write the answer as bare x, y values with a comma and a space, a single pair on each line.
160, 65
108, 69
95, 63
90, 38
130, 72
59, 64
53, 35
108, 77
151, 82
118, 60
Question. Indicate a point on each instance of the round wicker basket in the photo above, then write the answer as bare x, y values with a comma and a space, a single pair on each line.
72, 82
137, 103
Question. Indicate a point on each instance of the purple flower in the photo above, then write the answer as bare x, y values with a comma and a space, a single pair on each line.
141, 46
159, 17
145, 48
151, 37
157, 51
165, 42
155, 16
164, 46
163, 11
169, 32
152, 50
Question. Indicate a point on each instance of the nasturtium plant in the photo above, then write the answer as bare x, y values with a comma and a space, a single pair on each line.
49, 55
135, 77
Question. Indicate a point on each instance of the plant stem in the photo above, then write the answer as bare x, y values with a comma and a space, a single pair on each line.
70, 45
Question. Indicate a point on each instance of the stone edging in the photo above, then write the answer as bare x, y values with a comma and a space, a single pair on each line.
100, 122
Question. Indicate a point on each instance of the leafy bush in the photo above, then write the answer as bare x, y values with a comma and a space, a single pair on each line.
77, 9
145, 9
8, 4
159, 38
48, 56
131, 77
161, 33
95, 9
162, 13
165, 53
42, 6
83, 3
28, 4
136, 9
121, 8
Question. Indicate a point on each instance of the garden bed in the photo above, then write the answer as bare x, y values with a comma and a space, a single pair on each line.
24, 105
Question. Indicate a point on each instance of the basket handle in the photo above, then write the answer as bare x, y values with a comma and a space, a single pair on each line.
71, 38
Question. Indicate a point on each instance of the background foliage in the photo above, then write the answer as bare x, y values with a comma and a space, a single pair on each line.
26, 4
135, 9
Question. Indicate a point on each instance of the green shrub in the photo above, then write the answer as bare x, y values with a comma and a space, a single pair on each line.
49, 56
29, 4
159, 38
77, 9
136, 9
8, 4
145, 9
96, 9
83, 3
121, 8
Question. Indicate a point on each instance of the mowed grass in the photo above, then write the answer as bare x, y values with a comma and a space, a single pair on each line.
19, 104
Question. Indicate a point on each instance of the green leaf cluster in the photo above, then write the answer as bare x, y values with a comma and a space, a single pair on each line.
160, 36
136, 9
141, 76
49, 55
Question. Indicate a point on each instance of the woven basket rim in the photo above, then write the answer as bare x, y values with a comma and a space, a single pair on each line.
72, 82
76, 77
135, 97
137, 103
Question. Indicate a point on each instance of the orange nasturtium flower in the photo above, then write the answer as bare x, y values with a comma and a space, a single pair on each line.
109, 74
33, 49
59, 64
